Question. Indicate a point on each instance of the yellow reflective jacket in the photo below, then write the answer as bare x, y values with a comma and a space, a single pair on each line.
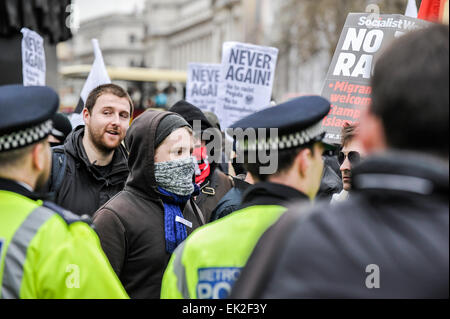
46, 252
209, 261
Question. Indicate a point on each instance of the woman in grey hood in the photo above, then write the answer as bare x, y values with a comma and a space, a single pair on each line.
141, 226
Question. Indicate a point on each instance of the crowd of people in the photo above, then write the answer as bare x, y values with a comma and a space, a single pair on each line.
141, 210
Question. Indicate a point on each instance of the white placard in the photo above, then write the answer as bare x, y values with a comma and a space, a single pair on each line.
33, 58
246, 80
202, 85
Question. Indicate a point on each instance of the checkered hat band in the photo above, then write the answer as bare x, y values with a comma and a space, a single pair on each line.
285, 141
25, 137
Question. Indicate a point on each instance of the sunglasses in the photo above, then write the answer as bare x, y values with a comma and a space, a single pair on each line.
353, 157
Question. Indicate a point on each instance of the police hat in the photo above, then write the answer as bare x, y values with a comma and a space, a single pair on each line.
25, 115
299, 122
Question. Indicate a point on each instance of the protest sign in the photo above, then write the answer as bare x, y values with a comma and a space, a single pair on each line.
347, 85
33, 58
246, 80
202, 85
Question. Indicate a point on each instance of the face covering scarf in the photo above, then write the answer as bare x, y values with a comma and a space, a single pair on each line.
176, 176
174, 180
203, 165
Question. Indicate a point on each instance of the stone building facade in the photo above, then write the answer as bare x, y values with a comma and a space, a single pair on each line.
183, 31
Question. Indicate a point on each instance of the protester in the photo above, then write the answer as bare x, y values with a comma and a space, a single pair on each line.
45, 251
161, 100
390, 239
171, 93
224, 246
233, 199
351, 153
91, 167
141, 226
213, 120
61, 129
226, 144
213, 183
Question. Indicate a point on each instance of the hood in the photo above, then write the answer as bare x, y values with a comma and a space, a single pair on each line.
74, 146
140, 143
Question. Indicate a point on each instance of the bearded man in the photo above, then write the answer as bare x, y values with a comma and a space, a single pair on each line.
95, 162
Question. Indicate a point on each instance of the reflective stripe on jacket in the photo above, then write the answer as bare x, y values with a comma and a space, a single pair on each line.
42, 256
207, 263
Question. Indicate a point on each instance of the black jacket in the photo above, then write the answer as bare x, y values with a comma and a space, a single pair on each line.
330, 184
231, 201
396, 225
131, 225
216, 185
84, 189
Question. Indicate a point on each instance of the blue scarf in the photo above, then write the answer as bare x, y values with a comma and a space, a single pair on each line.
175, 232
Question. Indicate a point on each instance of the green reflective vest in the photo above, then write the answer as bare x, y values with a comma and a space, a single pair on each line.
42, 256
209, 261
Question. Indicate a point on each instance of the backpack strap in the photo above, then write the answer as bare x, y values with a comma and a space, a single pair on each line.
68, 216
59, 163
198, 212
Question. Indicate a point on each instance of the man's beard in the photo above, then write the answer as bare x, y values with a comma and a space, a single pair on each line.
96, 139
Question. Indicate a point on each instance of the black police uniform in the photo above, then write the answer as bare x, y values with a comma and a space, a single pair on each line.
391, 240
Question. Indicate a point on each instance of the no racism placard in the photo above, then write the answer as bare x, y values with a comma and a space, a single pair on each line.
246, 80
347, 85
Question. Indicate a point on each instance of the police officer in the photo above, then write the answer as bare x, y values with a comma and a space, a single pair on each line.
45, 251
389, 239
207, 263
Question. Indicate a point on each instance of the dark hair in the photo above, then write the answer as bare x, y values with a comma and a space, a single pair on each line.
348, 133
410, 91
14, 156
106, 88
285, 160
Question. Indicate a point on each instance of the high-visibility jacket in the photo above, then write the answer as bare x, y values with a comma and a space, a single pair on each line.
47, 252
209, 261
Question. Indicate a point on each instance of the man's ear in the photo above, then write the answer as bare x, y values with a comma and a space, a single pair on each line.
86, 115
301, 161
371, 132
38, 156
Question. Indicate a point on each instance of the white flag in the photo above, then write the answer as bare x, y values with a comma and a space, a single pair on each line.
411, 9
98, 75
76, 119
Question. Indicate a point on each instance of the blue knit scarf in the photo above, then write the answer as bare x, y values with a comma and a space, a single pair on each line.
175, 232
